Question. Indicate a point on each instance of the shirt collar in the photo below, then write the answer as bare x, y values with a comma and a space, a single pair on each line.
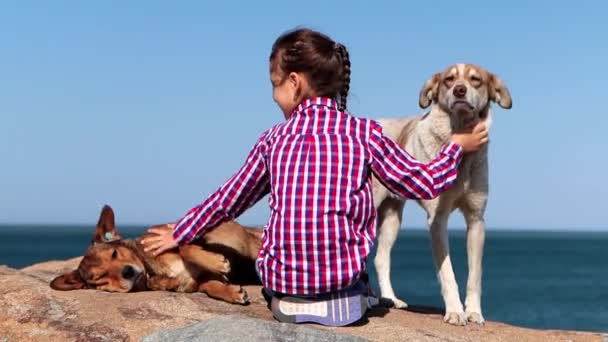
316, 101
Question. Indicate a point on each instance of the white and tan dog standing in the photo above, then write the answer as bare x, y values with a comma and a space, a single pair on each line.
459, 96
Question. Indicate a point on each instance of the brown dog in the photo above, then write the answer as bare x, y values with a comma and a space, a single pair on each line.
212, 264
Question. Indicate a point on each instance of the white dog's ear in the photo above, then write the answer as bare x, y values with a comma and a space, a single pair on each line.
499, 92
428, 94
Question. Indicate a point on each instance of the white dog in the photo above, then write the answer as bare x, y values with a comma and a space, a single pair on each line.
459, 96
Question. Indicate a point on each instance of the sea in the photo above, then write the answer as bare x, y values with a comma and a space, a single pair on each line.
531, 278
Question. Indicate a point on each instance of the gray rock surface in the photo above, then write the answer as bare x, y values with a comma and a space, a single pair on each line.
239, 329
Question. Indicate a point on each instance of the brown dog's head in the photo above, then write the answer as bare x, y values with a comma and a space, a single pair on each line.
464, 91
109, 264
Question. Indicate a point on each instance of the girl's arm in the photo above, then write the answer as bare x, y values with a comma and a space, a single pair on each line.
404, 175
236, 195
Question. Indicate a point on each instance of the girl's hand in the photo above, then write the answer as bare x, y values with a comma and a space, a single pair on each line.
473, 140
162, 240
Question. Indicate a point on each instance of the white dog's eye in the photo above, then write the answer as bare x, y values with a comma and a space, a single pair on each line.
475, 80
449, 79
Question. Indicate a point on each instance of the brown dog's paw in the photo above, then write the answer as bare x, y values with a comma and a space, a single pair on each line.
241, 296
221, 265
226, 267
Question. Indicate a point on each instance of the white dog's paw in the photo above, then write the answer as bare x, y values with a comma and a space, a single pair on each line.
399, 304
393, 302
455, 318
475, 317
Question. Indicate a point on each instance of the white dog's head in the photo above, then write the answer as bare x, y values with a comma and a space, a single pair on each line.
465, 91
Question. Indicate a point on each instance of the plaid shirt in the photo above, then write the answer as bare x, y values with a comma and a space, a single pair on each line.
317, 167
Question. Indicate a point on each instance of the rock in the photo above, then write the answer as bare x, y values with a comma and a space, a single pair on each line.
31, 311
238, 329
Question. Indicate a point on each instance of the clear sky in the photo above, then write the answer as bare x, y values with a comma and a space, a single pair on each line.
149, 106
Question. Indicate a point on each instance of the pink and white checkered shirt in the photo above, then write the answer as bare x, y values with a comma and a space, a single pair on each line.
317, 167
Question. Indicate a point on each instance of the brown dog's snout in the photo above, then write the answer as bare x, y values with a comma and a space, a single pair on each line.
460, 91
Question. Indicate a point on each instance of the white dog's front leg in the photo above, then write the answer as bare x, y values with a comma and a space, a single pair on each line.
454, 313
475, 243
389, 222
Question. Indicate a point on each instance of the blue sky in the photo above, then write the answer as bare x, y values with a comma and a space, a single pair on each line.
149, 107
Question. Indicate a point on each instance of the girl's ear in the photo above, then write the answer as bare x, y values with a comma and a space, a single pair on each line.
299, 85
295, 84
294, 79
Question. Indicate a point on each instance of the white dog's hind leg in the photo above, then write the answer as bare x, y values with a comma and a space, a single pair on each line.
389, 222
475, 244
454, 313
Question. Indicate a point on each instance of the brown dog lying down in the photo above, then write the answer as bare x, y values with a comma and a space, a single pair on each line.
213, 264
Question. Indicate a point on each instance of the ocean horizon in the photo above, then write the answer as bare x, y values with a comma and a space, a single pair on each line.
535, 278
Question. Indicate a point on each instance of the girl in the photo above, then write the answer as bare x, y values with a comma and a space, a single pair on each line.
317, 167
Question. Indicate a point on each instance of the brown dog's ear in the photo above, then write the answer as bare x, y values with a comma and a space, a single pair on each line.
499, 92
428, 94
106, 229
68, 282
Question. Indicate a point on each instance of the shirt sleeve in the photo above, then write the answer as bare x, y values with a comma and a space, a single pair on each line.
241, 191
406, 176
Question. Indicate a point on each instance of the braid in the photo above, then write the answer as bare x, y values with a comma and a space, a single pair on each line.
344, 57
